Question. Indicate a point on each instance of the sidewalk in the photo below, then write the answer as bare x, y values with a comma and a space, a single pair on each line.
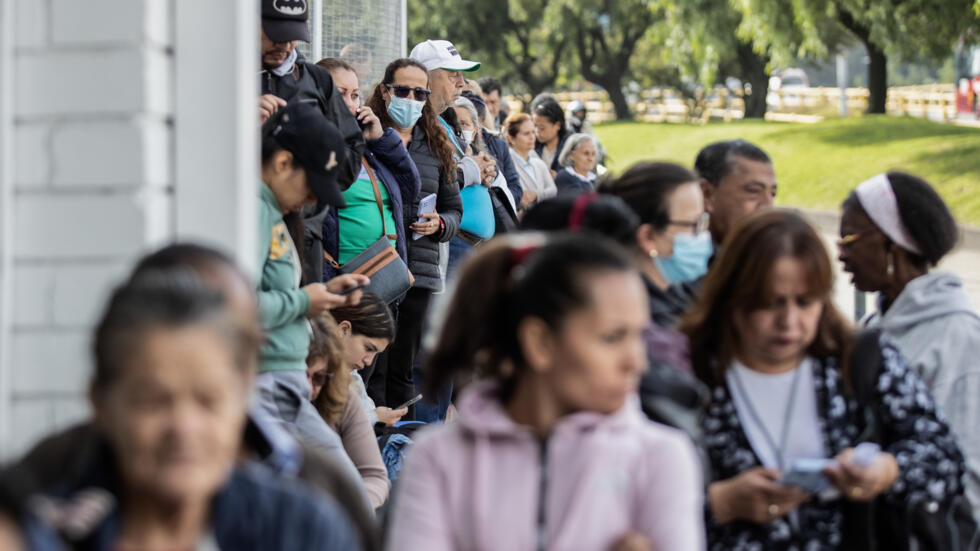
964, 261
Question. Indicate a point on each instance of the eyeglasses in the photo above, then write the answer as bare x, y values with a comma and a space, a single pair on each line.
850, 239
700, 225
400, 91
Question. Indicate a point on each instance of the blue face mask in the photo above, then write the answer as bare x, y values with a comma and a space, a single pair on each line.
690, 258
405, 112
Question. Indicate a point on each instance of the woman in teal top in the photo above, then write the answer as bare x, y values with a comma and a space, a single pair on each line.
301, 151
360, 221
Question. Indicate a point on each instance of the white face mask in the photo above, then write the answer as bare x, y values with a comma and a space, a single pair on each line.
468, 135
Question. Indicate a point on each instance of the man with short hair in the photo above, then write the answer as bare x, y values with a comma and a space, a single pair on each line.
737, 179
286, 76
493, 96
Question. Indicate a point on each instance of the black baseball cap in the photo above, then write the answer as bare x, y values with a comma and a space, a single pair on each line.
316, 143
285, 20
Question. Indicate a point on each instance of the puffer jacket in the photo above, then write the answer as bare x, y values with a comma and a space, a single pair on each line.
488, 483
423, 253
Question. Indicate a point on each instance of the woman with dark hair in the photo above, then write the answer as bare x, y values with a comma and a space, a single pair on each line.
337, 400
376, 200
672, 245
549, 125
766, 338
400, 103
535, 176
169, 395
894, 228
558, 354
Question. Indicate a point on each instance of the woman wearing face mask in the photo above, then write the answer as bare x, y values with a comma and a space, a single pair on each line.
578, 159
337, 400
767, 339
400, 103
534, 174
350, 230
551, 450
894, 229
672, 244
169, 394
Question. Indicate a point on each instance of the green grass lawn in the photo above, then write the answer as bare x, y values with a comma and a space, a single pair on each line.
818, 164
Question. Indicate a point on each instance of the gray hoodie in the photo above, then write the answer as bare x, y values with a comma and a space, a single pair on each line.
938, 330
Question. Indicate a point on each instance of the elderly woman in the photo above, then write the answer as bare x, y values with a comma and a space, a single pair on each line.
578, 157
536, 180
766, 338
173, 374
894, 228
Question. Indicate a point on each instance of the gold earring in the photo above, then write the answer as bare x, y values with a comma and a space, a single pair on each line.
891, 265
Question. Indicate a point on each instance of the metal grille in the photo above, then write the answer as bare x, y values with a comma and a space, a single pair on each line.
368, 34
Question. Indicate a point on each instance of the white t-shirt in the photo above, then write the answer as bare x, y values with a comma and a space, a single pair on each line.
769, 395
548, 156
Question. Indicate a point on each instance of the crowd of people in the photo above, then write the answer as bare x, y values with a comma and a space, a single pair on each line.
464, 334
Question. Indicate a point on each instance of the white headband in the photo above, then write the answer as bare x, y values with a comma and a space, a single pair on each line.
878, 200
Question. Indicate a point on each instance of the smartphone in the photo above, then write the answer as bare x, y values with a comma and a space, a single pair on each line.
352, 289
426, 205
808, 474
410, 402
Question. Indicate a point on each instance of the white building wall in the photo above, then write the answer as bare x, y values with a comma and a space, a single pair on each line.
88, 175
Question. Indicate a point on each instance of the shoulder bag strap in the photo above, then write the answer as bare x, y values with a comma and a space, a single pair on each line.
377, 198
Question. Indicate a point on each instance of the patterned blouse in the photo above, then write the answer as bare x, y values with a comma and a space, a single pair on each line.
930, 463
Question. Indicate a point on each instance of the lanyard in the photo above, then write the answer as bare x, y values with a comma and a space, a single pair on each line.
779, 449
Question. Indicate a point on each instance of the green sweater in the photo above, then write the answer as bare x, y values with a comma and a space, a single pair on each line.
282, 304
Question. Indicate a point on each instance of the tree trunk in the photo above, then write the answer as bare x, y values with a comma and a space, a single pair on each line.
618, 100
753, 69
877, 79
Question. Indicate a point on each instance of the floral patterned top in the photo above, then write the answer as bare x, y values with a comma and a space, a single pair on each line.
930, 463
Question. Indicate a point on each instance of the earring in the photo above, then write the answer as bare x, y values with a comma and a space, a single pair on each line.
891, 265
654, 253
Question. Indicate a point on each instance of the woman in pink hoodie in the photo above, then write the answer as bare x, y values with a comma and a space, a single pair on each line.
551, 450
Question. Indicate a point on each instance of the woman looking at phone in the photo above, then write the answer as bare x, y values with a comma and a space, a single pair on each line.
775, 355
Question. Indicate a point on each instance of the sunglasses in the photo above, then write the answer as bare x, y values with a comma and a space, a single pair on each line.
400, 91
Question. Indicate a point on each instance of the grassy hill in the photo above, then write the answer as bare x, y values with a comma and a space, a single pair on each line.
818, 164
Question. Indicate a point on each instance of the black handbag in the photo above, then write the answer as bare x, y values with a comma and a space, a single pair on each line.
879, 525
503, 214
390, 276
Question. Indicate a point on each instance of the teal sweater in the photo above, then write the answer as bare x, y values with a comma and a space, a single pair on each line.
282, 304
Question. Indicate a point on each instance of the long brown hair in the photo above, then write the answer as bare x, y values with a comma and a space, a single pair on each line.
435, 133
739, 282
326, 343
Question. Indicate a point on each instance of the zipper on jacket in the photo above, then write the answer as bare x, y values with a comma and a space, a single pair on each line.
542, 529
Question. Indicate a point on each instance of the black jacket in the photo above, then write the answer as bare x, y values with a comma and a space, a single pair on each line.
668, 305
423, 253
539, 147
308, 81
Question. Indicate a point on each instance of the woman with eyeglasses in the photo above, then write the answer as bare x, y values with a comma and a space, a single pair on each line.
672, 244
400, 102
894, 229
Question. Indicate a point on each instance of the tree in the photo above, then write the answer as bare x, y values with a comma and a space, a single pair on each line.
513, 40
605, 34
904, 28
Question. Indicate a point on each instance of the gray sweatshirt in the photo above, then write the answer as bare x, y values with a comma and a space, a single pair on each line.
938, 330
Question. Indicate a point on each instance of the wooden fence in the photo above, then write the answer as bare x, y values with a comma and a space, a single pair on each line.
935, 102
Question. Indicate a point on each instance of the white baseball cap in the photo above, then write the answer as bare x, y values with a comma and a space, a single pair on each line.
441, 54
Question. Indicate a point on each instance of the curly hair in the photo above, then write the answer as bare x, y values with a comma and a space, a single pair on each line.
435, 133
327, 344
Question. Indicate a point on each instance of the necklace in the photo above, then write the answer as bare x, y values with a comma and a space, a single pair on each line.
780, 449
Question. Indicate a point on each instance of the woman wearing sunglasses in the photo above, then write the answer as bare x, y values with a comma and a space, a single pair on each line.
894, 228
400, 103
672, 244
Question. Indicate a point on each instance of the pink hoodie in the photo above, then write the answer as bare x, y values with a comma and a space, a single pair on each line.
475, 485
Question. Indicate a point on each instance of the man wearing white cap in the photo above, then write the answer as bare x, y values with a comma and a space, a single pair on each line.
446, 68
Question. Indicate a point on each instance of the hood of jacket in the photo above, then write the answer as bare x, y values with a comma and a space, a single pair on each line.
924, 299
482, 414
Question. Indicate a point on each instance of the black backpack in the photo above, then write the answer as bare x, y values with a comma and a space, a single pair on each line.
881, 526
